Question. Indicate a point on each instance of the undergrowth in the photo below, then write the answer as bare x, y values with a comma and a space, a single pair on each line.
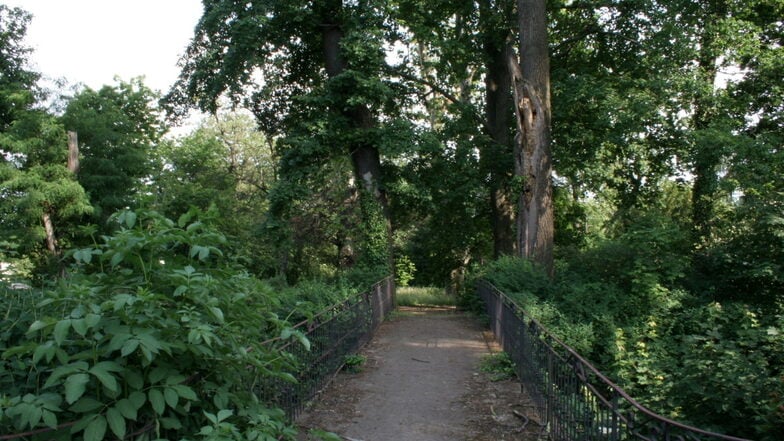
423, 296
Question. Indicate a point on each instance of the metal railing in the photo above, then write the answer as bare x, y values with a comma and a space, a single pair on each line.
333, 333
572, 399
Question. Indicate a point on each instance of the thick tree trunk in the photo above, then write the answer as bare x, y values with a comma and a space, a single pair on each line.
496, 157
533, 158
365, 157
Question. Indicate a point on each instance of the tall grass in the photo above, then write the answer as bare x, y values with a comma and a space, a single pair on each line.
424, 296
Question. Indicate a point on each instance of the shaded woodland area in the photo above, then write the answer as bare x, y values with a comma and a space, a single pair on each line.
348, 139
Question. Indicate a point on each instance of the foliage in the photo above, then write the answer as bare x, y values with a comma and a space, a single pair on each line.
353, 363
35, 182
228, 167
404, 270
423, 296
17, 82
499, 366
154, 330
630, 314
117, 128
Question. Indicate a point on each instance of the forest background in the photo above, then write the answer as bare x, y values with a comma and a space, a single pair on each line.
380, 136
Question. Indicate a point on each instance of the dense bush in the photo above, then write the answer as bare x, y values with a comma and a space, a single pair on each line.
716, 365
153, 330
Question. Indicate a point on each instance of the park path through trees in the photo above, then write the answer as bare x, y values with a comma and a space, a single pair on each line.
422, 382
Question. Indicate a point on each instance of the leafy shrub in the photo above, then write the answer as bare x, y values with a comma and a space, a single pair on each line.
730, 369
153, 331
499, 366
404, 270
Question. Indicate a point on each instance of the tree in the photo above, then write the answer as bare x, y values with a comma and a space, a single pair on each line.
118, 127
17, 83
533, 158
38, 193
320, 63
225, 165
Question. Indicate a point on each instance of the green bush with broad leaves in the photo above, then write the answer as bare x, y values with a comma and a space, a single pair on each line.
154, 333
625, 304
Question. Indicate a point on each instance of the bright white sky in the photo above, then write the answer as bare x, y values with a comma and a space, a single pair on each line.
92, 41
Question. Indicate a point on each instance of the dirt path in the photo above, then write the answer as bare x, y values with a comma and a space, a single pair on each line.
421, 382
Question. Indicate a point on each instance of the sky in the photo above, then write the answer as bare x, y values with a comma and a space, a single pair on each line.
92, 41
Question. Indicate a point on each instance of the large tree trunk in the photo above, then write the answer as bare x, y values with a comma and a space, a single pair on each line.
496, 157
533, 158
365, 157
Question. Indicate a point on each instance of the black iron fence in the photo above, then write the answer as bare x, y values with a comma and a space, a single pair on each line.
333, 333
572, 399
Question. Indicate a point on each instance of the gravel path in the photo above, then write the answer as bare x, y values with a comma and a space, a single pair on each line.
420, 383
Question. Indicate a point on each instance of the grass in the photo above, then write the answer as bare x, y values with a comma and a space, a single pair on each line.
423, 296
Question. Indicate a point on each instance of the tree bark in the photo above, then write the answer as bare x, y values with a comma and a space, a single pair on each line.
496, 157
73, 152
533, 157
51, 240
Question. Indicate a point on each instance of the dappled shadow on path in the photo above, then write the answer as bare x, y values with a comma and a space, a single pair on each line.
421, 382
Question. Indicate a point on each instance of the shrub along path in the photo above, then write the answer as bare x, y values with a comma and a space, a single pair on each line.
421, 382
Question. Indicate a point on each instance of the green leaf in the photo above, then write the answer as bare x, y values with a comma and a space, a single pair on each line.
111, 366
175, 379
80, 326
157, 401
44, 350
137, 399
180, 290
50, 419
129, 346
85, 405
184, 219
116, 259
107, 379
126, 409
224, 413
303, 340
118, 340
96, 429
171, 397
185, 392
75, 386
133, 379
116, 422
61, 331
130, 219
37, 326
92, 320
158, 374
171, 423
217, 313
65, 370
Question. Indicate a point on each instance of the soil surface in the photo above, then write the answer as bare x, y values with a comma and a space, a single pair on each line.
421, 382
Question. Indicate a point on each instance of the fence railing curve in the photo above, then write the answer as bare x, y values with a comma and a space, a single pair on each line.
335, 332
572, 399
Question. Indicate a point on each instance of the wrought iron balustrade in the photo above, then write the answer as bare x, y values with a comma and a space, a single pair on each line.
572, 399
333, 333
